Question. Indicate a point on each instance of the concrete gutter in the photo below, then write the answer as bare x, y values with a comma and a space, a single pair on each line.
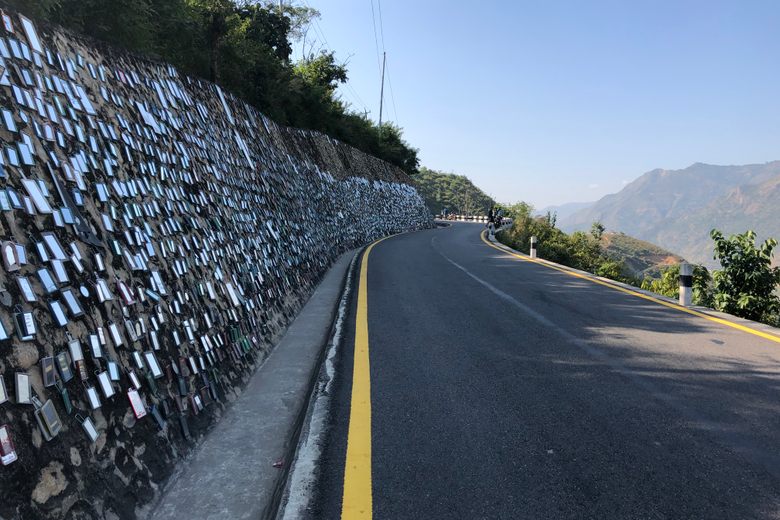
763, 327
232, 474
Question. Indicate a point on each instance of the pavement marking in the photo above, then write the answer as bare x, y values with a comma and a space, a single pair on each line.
721, 321
357, 502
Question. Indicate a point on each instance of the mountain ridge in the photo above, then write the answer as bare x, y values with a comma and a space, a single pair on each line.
676, 209
565, 210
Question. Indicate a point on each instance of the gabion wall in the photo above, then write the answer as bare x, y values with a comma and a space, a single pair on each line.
157, 236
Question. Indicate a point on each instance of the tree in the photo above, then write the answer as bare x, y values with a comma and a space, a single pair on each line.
215, 15
746, 284
322, 72
454, 192
597, 230
517, 210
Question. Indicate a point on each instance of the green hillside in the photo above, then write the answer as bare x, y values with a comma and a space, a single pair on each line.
639, 258
454, 192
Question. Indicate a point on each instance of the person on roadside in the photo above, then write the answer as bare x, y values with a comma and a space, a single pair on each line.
491, 225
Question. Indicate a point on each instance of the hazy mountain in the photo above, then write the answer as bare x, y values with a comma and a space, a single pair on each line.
676, 209
565, 210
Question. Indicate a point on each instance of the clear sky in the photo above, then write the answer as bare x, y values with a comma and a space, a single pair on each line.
561, 101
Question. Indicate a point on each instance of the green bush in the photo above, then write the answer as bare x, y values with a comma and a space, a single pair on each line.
579, 250
747, 283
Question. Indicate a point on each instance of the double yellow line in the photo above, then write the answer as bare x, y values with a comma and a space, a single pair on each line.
715, 319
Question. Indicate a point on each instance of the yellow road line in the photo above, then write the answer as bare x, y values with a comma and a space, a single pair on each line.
357, 502
721, 321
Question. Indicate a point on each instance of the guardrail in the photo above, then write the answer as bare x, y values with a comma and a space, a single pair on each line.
472, 218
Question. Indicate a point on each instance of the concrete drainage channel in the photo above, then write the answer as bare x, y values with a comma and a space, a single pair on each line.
244, 463
302, 478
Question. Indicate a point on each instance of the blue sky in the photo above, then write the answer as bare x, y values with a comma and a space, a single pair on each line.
560, 101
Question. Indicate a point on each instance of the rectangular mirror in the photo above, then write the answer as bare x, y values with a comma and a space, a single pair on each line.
26, 288
60, 274
48, 371
54, 245
58, 313
43, 254
93, 397
46, 280
8, 120
23, 392
94, 343
89, 428
71, 300
34, 191
113, 370
105, 384
13, 157
63, 365
32, 35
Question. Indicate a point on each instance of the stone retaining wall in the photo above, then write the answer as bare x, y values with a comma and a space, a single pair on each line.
165, 233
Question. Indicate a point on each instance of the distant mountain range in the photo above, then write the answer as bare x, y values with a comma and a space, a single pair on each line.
676, 209
565, 210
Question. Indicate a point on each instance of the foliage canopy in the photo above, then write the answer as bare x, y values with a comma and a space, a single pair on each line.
747, 283
455, 193
243, 46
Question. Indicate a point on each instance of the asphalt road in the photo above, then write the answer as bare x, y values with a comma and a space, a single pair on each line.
503, 389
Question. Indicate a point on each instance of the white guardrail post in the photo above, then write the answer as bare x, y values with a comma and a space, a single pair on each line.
686, 284
533, 247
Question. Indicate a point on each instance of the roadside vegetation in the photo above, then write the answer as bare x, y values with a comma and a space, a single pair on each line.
579, 250
747, 284
247, 48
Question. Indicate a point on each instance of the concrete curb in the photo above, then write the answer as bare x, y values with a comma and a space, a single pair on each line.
233, 473
300, 488
704, 310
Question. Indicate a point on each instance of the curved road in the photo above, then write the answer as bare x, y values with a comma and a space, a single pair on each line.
504, 389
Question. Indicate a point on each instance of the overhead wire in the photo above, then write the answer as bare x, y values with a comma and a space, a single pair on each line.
392, 95
376, 41
381, 24
387, 68
318, 29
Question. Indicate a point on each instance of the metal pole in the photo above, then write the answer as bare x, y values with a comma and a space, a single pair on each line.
382, 91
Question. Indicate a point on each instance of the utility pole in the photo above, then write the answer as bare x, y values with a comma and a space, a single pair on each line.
382, 91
